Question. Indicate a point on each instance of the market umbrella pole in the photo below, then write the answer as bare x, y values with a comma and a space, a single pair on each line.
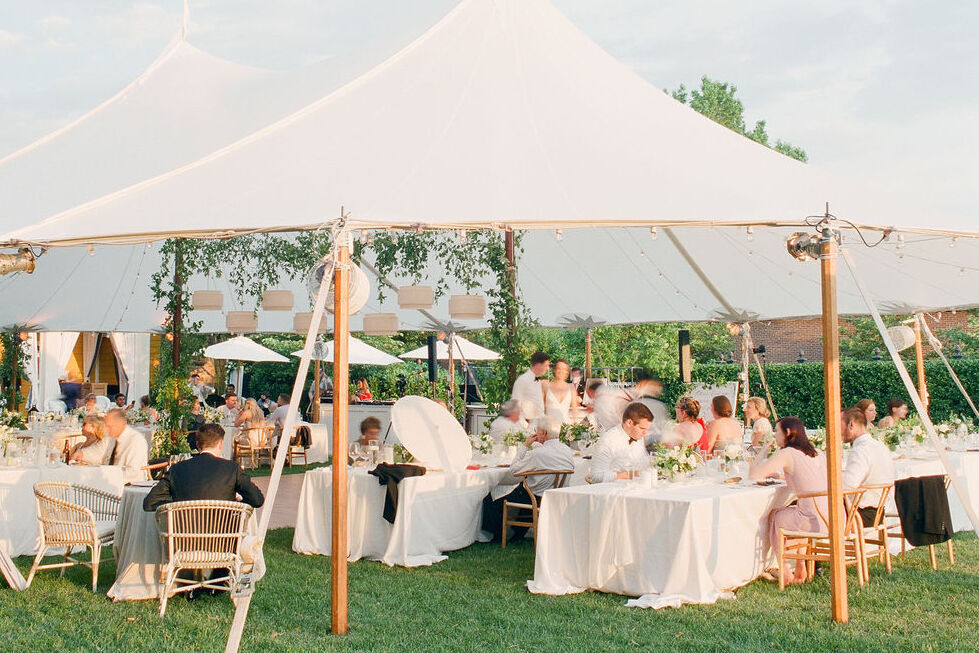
588, 353
315, 410
834, 445
341, 391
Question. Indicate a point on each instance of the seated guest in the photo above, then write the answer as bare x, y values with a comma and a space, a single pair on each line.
194, 421
724, 429
278, 418
897, 409
96, 449
250, 420
869, 409
229, 411
804, 469
120, 400
266, 404
610, 400
508, 421
131, 451
621, 449
578, 381
206, 476
756, 412
363, 390
144, 405
370, 429
869, 463
90, 405
541, 451
689, 427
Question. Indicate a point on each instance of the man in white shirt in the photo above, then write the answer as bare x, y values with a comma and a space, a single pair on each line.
278, 418
199, 388
527, 388
508, 421
621, 449
131, 451
610, 401
869, 462
542, 451
229, 411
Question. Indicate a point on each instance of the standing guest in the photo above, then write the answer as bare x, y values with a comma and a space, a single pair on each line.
805, 471
723, 430
229, 411
541, 451
131, 450
621, 449
207, 476
560, 398
199, 388
756, 413
528, 390
578, 381
230, 390
869, 409
897, 409
97, 448
509, 421
869, 463
689, 427
326, 385
363, 390
278, 418
611, 401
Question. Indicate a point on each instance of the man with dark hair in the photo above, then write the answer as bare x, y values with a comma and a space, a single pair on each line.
621, 450
205, 476
869, 462
527, 388
278, 418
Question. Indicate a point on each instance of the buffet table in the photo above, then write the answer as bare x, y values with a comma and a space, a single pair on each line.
437, 512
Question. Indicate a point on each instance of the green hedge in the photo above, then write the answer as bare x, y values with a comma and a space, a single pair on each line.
797, 388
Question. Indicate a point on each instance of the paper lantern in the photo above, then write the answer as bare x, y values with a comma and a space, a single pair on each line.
277, 300
902, 335
416, 297
241, 322
467, 307
207, 300
300, 323
380, 324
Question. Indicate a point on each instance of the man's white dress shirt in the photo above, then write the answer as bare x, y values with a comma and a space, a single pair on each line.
869, 462
278, 419
228, 415
502, 425
615, 452
132, 454
552, 455
527, 390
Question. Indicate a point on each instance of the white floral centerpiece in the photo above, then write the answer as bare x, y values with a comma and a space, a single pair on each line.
482, 442
515, 438
677, 462
211, 415
135, 416
583, 433
732, 453
6, 437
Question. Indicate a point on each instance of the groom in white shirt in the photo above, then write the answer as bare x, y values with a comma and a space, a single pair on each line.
870, 462
527, 387
622, 448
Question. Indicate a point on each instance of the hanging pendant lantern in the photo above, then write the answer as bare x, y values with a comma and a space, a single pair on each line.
207, 300
241, 322
277, 300
467, 307
300, 323
380, 324
416, 297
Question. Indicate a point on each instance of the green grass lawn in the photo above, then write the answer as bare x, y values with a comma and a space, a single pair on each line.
476, 601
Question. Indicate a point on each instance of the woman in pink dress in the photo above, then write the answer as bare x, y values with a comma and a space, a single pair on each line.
805, 471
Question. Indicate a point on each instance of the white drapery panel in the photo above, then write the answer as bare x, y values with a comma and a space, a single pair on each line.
55, 350
90, 349
133, 356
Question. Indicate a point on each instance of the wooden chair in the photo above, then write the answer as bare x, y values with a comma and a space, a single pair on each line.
813, 546
894, 530
200, 536
296, 447
876, 534
256, 448
149, 469
72, 515
560, 477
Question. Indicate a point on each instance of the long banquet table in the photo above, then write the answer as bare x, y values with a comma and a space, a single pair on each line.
437, 512
19, 534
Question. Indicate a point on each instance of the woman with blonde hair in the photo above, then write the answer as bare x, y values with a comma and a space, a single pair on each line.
251, 421
97, 448
756, 413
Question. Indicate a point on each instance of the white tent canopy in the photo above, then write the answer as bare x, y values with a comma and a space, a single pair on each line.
461, 349
359, 353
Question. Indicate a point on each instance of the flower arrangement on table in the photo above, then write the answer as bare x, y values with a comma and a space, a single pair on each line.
583, 433
138, 416
6, 437
912, 428
515, 438
482, 442
211, 415
818, 438
12, 419
677, 461
732, 453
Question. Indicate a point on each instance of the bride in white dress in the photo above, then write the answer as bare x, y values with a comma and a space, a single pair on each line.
560, 399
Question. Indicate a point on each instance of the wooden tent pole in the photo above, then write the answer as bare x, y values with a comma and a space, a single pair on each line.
588, 353
314, 409
919, 360
341, 406
834, 445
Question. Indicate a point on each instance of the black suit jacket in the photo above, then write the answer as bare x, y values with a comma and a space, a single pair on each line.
204, 476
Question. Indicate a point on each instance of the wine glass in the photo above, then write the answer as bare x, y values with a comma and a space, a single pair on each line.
373, 446
356, 452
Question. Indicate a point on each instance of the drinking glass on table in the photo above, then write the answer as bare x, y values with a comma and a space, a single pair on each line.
373, 446
355, 453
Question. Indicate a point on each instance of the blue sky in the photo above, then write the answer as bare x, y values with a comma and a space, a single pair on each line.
884, 91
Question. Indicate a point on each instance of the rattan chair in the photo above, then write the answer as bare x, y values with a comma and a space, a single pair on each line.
894, 530
813, 546
70, 516
560, 477
199, 536
874, 537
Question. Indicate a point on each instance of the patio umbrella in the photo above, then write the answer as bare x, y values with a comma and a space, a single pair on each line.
360, 353
241, 349
463, 348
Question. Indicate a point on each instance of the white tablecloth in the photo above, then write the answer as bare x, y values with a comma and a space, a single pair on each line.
138, 550
19, 534
674, 544
964, 464
440, 511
